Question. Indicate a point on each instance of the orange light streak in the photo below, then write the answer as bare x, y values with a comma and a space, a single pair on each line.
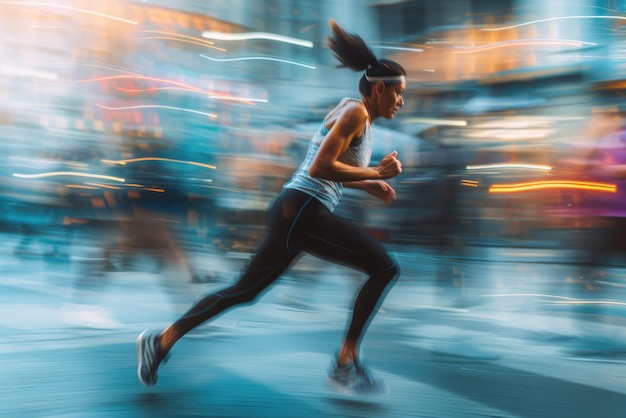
553, 184
74, 9
125, 90
78, 186
158, 80
470, 183
182, 40
104, 67
251, 102
179, 35
181, 86
106, 186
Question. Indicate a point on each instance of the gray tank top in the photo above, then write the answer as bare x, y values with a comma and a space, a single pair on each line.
329, 192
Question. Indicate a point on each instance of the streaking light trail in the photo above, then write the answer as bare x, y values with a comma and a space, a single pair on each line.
134, 160
548, 19
180, 35
189, 41
139, 77
400, 48
285, 61
67, 173
104, 67
590, 302
411, 47
244, 36
173, 85
248, 100
74, 9
435, 121
27, 72
554, 184
469, 183
211, 115
510, 166
522, 42
559, 300
150, 89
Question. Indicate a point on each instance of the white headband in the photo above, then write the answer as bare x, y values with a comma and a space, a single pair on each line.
390, 79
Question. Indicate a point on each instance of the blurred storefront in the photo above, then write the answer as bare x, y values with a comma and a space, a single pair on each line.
225, 84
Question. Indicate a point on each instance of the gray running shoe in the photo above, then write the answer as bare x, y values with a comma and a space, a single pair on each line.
354, 379
149, 357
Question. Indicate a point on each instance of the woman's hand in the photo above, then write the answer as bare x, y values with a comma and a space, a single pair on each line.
390, 166
380, 189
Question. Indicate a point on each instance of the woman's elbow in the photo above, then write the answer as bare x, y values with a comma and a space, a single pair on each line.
318, 172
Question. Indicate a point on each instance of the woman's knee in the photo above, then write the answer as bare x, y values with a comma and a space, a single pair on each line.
393, 272
389, 273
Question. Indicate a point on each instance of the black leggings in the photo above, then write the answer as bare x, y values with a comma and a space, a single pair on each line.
299, 223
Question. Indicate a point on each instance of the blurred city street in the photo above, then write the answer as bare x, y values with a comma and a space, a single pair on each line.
141, 142
442, 355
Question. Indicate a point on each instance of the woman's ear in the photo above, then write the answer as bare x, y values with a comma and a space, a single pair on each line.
379, 87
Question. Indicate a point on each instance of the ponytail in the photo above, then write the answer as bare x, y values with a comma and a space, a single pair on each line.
350, 49
353, 52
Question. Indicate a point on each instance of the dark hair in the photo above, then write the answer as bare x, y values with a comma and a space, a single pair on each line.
352, 52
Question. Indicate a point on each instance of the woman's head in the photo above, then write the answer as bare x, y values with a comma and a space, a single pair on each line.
352, 52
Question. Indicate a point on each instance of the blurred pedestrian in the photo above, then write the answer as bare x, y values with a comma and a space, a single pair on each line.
606, 162
301, 219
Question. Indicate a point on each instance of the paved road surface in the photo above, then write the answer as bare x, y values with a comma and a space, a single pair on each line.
270, 359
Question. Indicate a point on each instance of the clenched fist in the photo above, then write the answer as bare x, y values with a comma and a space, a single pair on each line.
390, 166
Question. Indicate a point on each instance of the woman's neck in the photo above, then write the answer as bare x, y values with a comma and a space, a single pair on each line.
368, 106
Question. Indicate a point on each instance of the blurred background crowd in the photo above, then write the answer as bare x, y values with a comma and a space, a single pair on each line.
155, 125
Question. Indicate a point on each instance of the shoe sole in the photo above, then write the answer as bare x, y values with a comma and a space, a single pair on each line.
140, 358
339, 388
344, 391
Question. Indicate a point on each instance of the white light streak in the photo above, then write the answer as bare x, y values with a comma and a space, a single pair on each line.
312, 67
237, 99
51, 27
433, 121
561, 300
505, 134
67, 173
170, 160
27, 72
527, 294
211, 115
590, 302
522, 42
399, 48
548, 19
510, 166
256, 35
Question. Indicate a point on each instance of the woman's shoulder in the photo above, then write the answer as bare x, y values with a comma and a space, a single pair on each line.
349, 106
350, 101
349, 111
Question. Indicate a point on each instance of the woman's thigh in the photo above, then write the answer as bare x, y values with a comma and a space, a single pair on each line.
339, 240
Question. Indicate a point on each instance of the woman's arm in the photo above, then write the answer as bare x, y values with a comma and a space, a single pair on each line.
378, 188
349, 124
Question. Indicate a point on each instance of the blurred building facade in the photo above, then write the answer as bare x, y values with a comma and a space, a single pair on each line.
86, 81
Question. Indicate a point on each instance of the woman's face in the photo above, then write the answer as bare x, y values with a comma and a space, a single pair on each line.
391, 99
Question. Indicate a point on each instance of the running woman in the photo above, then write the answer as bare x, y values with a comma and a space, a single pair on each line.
301, 219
